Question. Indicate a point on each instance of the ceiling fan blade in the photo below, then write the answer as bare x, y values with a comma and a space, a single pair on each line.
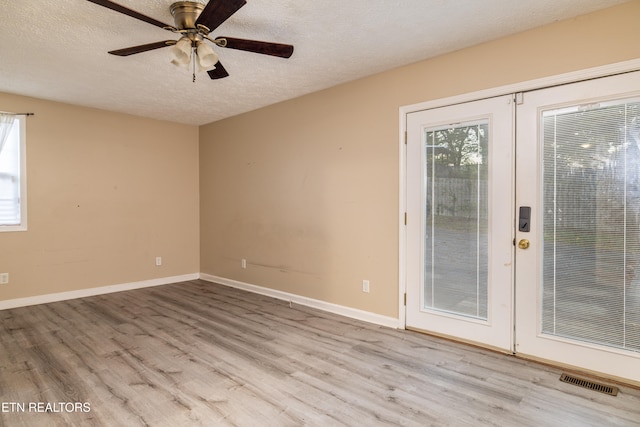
142, 48
218, 11
132, 13
218, 73
265, 48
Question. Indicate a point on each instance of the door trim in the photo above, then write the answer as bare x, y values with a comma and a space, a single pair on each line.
557, 80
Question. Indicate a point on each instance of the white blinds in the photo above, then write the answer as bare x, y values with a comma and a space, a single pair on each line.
456, 238
10, 173
591, 213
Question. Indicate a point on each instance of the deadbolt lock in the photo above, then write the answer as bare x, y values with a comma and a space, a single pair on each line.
523, 244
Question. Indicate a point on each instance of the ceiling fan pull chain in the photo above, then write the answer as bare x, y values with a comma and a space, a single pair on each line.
193, 61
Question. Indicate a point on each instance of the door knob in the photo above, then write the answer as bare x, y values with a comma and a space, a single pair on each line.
523, 244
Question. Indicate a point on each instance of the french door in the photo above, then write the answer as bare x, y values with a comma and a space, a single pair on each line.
523, 230
578, 282
459, 234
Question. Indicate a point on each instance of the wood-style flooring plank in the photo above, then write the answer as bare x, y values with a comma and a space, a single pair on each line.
201, 354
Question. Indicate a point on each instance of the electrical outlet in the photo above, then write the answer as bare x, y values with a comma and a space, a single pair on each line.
365, 286
158, 261
244, 263
4, 278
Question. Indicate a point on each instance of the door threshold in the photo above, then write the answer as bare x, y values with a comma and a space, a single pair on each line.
461, 340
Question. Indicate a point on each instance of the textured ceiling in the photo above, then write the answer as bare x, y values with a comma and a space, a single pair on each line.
57, 50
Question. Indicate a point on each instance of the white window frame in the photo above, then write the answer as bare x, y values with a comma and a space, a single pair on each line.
21, 120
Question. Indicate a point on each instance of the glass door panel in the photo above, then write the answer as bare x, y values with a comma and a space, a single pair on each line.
591, 223
456, 172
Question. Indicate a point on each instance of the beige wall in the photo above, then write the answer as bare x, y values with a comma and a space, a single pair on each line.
107, 193
307, 190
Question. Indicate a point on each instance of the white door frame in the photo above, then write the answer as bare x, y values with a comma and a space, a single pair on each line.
572, 77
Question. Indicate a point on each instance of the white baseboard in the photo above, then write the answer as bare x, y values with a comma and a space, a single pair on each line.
82, 293
353, 313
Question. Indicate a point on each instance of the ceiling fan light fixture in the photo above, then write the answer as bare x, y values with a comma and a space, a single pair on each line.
194, 21
207, 58
182, 52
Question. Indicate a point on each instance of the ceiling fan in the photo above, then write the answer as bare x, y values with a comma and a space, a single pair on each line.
194, 21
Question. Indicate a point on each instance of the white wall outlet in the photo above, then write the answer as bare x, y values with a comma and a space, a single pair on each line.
4, 278
365, 286
244, 263
158, 261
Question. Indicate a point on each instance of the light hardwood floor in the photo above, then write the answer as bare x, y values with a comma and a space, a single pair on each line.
196, 353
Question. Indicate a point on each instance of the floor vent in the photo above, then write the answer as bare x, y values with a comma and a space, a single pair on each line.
591, 385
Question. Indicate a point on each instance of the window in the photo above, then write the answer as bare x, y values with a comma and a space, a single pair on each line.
13, 212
